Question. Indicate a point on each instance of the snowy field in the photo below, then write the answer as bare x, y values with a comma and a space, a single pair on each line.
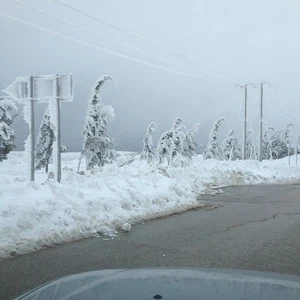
44, 213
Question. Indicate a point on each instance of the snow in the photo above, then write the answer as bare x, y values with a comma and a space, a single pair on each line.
126, 227
44, 213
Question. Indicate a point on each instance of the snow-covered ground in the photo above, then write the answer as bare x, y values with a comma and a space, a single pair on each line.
35, 215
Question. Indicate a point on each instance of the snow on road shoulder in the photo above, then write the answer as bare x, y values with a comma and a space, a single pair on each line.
35, 215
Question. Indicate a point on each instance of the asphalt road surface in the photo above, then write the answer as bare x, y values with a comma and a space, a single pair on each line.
250, 228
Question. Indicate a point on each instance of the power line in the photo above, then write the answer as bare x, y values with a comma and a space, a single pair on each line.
137, 36
191, 37
227, 43
287, 111
118, 28
116, 41
106, 50
293, 116
278, 112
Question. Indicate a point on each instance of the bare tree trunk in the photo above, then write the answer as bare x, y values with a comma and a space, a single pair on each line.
46, 168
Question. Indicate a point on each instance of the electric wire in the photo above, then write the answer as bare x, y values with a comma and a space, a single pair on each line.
137, 36
280, 113
120, 42
106, 50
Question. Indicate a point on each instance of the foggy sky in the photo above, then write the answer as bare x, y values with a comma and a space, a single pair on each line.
250, 41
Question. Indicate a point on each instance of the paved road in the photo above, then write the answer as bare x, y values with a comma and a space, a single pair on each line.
253, 228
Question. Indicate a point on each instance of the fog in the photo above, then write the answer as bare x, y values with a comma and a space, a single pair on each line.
248, 42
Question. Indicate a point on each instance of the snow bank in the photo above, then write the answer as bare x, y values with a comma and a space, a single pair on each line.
40, 214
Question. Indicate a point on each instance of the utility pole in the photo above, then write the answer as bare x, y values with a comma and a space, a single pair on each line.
261, 118
261, 121
245, 88
245, 124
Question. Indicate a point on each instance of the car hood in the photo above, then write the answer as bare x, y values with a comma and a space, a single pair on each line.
170, 284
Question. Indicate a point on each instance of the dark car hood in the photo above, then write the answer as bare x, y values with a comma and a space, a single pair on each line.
170, 284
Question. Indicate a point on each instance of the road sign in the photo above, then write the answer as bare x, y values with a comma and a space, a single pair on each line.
51, 89
43, 88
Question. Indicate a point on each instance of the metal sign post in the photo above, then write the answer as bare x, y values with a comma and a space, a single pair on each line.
58, 136
52, 89
55, 115
31, 129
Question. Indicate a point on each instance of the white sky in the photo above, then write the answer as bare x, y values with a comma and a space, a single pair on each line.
250, 41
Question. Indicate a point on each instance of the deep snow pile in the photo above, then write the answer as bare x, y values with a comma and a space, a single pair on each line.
35, 215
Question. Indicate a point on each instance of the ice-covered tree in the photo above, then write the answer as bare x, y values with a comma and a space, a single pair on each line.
275, 145
251, 152
266, 144
213, 149
7, 134
44, 144
171, 142
286, 140
227, 145
237, 150
177, 141
190, 144
97, 144
164, 145
298, 144
278, 143
176, 124
231, 147
148, 151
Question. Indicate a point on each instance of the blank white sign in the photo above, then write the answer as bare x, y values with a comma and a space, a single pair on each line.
44, 88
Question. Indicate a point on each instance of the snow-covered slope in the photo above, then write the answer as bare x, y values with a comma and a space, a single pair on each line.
35, 215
